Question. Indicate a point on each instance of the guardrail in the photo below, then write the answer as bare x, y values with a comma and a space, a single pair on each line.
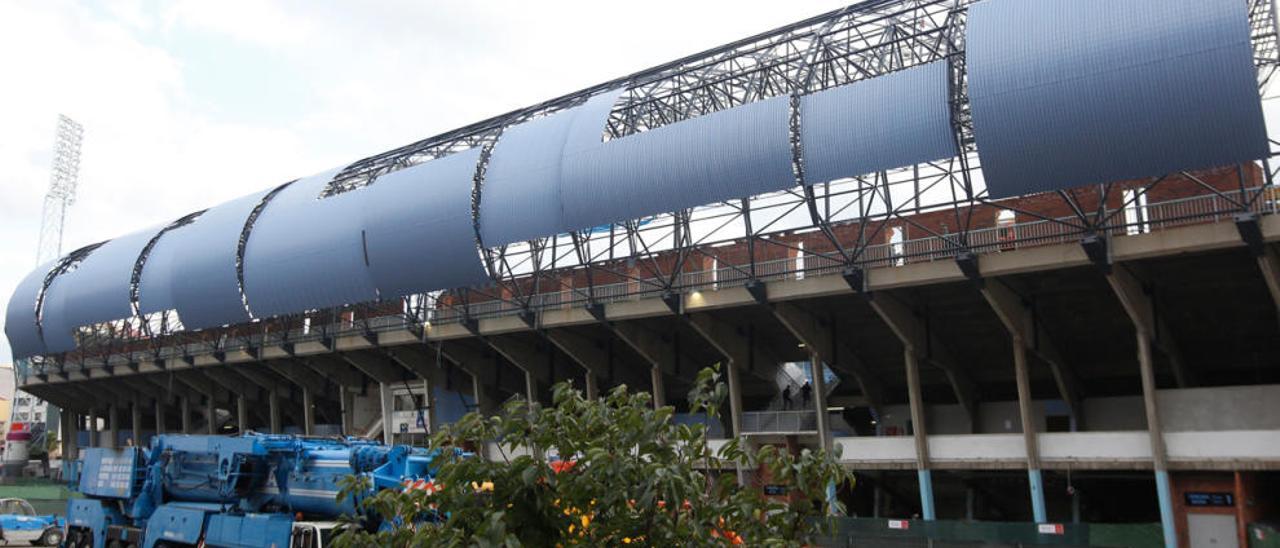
1201, 209
779, 422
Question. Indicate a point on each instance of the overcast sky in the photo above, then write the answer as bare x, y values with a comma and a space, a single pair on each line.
187, 104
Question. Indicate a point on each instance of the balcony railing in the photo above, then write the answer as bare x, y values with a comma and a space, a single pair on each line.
1154, 216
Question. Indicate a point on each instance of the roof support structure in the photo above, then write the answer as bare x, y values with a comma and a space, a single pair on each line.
1016, 316
819, 335
922, 342
1138, 304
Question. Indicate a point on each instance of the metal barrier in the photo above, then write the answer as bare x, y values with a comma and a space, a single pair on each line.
780, 422
875, 532
1154, 216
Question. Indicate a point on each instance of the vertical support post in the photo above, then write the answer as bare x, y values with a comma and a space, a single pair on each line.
969, 503
385, 401
242, 414
875, 501
735, 412
347, 401
160, 426
530, 388
819, 386
209, 415
919, 431
70, 441
431, 385
659, 389
484, 404
1029, 429
308, 412
92, 428
591, 388
113, 427
1154, 428
136, 424
184, 408
273, 411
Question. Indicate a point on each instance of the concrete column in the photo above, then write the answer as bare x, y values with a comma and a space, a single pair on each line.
970, 503
273, 412
70, 441
137, 425
484, 404
592, 389
819, 386
385, 398
430, 385
1029, 430
735, 399
1156, 433
308, 412
113, 427
735, 412
242, 414
347, 400
160, 426
91, 427
916, 401
209, 415
184, 408
530, 388
659, 388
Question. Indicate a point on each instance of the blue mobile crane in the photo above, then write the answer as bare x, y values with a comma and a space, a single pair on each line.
255, 490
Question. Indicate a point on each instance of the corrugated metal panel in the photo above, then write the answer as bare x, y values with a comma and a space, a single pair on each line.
1072, 92
733, 153
305, 252
192, 268
882, 123
95, 291
20, 315
418, 227
520, 199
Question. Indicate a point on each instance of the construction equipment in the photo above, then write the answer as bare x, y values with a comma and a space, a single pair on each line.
247, 490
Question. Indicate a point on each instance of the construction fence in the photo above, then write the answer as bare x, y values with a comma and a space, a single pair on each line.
891, 533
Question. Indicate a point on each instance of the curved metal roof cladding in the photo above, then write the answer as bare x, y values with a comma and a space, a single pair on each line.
1063, 93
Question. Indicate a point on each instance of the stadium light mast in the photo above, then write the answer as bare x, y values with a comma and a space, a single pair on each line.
64, 177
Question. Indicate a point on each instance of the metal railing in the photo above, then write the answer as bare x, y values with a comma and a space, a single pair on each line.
780, 422
1201, 209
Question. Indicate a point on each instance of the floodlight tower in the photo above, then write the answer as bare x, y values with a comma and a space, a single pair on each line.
63, 179
28, 410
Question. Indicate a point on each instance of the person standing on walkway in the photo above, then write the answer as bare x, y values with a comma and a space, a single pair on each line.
786, 398
806, 392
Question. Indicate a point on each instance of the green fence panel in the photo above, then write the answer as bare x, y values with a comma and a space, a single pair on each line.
860, 532
1264, 535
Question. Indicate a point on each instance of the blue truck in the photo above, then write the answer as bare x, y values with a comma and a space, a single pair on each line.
20, 523
254, 490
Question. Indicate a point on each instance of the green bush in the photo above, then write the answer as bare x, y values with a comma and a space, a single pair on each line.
630, 476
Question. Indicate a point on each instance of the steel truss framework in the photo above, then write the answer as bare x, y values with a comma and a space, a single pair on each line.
849, 225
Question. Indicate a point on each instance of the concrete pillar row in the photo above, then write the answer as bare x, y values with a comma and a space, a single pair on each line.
659, 388
735, 411
385, 397
113, 427
1029, 437
273, 412
242, 414
184, 412
347, 401
136, 425
916, 400
160, 426
308, 412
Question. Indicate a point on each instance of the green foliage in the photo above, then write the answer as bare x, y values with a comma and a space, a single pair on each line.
636, 478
